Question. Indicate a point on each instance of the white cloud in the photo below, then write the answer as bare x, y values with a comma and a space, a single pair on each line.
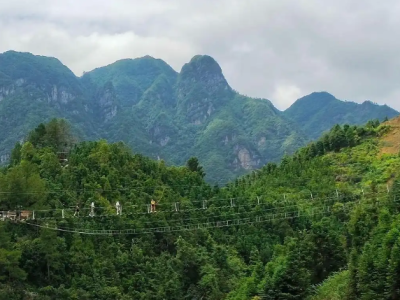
86, 52
285, 95
266, 48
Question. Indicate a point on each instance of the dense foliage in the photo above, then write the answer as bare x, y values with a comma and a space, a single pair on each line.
163, 114
323, 224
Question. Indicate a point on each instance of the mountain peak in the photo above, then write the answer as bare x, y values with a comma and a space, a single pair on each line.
43, 71
12, 57
369, 103
321, 96
201, 88
206, 61
310, 104
132, 77
320, 111
204, 69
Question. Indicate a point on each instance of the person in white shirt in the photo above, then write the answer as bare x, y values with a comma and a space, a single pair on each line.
92, 209
118, 207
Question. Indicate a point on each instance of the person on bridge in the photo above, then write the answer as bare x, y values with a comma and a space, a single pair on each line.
92, 209
118, 207
76, 210
153, 205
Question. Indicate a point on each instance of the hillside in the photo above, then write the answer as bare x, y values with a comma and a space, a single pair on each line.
343, 253
158, 112
34, 89
318, 112
390, 143
194, 113
320, 225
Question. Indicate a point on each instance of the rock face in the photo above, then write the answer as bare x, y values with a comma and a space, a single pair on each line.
4, 158
6, 91
155, 110
262, 141
107, 102
60, 95
164, 141
245, 159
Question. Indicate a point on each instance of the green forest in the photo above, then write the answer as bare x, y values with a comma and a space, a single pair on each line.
322, 223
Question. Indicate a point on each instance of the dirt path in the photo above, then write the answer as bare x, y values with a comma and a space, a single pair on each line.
391, 141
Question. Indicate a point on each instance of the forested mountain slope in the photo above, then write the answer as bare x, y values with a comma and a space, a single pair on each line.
327, 214
351, 241
318, 112
159, 112
34, 89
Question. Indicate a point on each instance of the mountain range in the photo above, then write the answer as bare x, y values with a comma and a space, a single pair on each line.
164, 114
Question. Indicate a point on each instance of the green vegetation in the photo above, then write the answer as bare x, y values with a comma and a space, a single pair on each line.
166, 115
322, 223
318, 112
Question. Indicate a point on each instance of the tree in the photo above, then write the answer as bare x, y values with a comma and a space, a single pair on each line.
16, 154
328, 255
9, 259
37, 136
286, 276
28, 151
337, 138
56, 134
194, 166
49, 246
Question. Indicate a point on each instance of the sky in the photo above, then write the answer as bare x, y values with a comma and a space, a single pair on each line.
279, 50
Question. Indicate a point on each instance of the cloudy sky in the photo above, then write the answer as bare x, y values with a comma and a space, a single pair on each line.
280, 50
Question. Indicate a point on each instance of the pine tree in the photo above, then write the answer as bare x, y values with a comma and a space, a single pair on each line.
194, 166
9, 259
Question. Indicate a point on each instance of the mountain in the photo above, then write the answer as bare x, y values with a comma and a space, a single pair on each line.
324, 223
349, 248
319, 111
34, 89
174, 116
155, 110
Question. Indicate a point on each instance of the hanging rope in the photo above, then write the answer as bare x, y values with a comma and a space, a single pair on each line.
272, 215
